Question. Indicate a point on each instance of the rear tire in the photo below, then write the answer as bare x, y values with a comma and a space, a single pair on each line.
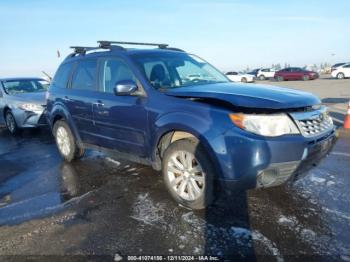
11, 124
279, 78
244, 80
66, 142
188, 174
340, 76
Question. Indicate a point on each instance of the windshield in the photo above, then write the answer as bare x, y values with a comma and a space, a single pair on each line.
173, 70
25, 86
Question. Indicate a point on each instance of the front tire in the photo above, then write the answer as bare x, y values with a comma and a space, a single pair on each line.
306, 78
188, 174
66, 142
279, 78
11, 123
262, 77
244, 80
340, 76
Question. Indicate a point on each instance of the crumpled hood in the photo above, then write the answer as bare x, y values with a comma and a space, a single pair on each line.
249, 95
36, 98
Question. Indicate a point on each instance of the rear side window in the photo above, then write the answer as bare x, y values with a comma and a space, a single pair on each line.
84, 76
347, 66
61, 77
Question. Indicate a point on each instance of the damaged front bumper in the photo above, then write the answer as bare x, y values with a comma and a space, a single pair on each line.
279, 173
29, 119
256, 163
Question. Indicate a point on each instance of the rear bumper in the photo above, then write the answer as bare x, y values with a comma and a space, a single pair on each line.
272, 163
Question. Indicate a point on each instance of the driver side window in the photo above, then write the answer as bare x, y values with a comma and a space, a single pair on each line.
113, 70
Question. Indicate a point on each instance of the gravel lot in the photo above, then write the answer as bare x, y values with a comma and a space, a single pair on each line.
103, 206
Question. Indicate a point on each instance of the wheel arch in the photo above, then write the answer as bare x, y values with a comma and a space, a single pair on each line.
4, 111
60, 113
169, 136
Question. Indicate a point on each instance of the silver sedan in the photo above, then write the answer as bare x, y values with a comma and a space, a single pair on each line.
22, 103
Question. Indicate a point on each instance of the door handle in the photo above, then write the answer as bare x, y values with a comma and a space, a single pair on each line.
99, 104
67, 99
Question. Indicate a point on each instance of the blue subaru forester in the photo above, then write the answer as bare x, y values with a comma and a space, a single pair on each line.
174, 111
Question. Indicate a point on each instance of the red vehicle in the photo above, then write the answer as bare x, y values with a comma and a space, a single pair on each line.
295, 73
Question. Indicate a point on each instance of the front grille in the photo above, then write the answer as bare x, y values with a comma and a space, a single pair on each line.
313, 123
313, 127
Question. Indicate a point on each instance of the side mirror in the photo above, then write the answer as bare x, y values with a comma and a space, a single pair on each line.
125, 87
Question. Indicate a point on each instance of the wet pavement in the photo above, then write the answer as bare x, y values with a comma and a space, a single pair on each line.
101, 205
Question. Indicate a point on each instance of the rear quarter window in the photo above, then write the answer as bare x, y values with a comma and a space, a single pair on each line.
61, 77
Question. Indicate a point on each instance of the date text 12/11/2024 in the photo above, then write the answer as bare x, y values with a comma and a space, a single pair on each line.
173, 258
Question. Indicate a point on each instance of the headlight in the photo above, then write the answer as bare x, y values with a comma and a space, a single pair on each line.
30, 107
265, 125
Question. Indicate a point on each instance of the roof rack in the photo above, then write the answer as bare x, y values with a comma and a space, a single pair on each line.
83, 49
111, 45
106, 44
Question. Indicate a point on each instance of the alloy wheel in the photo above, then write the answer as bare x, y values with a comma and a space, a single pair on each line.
10, 122
186, 175
63, 141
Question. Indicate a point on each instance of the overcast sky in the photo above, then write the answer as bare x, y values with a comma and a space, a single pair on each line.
230, 34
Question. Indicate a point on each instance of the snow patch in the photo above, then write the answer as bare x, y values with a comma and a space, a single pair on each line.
308, 234
318, 180
191, 218
345, 258
337, 213
197, 250
269, 244
146, 211
330, 183
115, 162
286, 220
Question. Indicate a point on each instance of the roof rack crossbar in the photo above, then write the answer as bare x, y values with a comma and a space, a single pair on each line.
104, 44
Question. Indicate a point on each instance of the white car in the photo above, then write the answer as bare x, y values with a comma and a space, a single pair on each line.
341, 72
240, 77
266, 73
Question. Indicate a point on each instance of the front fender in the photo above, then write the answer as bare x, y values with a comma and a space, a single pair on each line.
201, 128
59, 111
